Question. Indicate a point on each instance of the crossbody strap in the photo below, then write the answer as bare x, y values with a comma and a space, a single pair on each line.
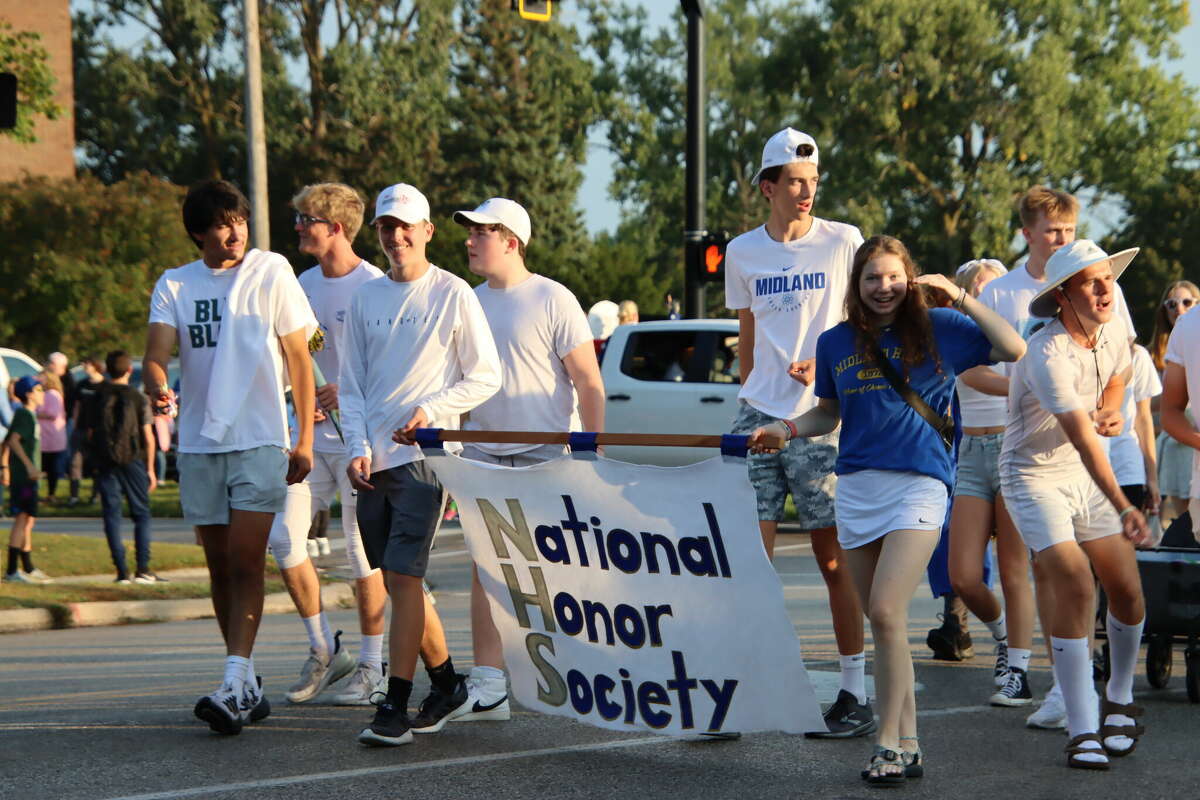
943, 425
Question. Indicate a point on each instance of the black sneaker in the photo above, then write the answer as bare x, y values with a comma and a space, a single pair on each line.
389, 727
950, 642
1015, 691
846, 718
222, 711
439, 708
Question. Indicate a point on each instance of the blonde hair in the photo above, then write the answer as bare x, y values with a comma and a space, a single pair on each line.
627, 312
50, 381
1162, 323
968, 273
336, 202
1054, 203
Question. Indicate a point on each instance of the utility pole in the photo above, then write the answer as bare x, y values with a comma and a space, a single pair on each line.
694, 232
256, 136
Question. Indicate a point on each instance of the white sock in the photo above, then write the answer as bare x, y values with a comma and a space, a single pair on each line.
1124, 641
1019, 659
854, 675
320, 639
1073, 673
370, 650
251, 673
998, 627
235, 673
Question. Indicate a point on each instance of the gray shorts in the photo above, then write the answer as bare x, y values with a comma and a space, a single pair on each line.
979, 466
249, 480
539, 455
399, 517
803, 469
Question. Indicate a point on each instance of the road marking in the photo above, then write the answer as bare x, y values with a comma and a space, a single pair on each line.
272, 783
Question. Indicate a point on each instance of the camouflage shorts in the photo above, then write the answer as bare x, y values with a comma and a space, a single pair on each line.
803, 469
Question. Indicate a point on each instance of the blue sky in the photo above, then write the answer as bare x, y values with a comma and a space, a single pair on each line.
602, 213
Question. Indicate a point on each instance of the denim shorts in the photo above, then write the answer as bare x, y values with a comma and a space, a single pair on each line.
803, 469
979, 466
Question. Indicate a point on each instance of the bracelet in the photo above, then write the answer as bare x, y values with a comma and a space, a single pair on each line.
962, 298
1127, 510
791, 427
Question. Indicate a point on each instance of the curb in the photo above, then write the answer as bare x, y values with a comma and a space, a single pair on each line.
122, 612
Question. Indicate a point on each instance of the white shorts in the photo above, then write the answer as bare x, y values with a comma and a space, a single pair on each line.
1050, 511
872, 503
289, 532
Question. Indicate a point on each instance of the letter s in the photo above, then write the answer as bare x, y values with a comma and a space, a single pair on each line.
555, 693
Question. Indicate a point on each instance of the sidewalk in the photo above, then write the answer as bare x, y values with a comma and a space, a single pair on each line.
121, 612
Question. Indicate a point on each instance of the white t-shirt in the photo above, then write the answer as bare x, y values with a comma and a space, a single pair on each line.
1009, 296
796, 291
1055, 376
417, 344
330, 301
1123, 451
535, 324
1183, 348
192, 300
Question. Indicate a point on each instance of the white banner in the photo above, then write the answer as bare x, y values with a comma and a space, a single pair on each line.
633, 597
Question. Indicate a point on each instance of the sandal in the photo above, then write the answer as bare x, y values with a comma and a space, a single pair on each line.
1134, 731
914, 764
1074, 749
885, 759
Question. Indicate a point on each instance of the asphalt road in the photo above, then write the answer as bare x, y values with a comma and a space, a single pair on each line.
106, 713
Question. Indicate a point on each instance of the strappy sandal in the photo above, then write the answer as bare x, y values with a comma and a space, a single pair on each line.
1073, 750
884, 758
1134, 731
914, 763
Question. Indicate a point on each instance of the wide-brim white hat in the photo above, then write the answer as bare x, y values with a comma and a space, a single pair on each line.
1068, 261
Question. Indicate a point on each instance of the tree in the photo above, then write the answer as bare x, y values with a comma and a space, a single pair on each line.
22, 55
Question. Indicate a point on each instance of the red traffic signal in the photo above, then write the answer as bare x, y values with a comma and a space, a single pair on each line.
709, 258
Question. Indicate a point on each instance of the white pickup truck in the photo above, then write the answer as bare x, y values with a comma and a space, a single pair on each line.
673, 376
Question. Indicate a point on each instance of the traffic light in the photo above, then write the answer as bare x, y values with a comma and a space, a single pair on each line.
533, 9
709, 258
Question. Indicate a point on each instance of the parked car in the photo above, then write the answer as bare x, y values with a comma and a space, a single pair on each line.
17, 364
670, 376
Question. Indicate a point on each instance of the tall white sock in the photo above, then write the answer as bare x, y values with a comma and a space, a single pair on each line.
1073, 672
235, 672
320, 639
998, 627
251, 672
854, 675
370, 650
1124, 641
1019, 659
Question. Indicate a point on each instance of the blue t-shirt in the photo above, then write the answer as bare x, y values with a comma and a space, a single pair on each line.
879, 429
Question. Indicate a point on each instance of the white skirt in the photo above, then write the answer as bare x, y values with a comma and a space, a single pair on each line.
874, 502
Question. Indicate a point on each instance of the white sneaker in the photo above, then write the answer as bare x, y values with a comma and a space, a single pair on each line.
37, 576
222, 710
315, 676
314, 549
365, 681
17, 577
323, 545
1051, 714
487, 698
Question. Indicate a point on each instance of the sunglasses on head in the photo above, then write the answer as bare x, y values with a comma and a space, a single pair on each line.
1183, 302
306, 220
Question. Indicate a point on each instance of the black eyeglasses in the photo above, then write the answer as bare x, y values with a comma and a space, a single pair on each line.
805, 150
305, 220
1184, 302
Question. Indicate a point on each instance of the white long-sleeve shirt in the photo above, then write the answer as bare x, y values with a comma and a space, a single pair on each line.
418, 344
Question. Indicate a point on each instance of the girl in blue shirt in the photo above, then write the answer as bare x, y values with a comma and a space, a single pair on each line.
894, 471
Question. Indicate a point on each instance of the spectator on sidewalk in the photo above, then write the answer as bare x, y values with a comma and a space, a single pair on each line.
120, 444
52, 424
79, 466
22, 455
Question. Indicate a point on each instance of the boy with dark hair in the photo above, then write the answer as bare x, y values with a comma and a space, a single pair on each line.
239, 317
120, 444
21, 474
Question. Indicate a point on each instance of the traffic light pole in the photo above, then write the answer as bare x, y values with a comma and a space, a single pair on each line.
693, 234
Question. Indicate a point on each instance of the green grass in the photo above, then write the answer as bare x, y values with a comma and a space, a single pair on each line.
164, 502
52, 595
59, 554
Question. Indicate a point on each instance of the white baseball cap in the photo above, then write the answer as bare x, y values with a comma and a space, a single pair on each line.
498, 211
1069, 260
789, 146
404, 202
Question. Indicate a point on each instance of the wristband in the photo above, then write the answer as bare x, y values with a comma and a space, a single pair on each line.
962, 298
791, 428
1127, 510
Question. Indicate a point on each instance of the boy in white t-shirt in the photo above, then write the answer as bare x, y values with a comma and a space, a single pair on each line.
418, 354
787, 281
548, 360
328, 217
1064, 497
239, 318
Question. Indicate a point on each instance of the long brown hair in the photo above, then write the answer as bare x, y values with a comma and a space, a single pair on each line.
1162, 323
912, 324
